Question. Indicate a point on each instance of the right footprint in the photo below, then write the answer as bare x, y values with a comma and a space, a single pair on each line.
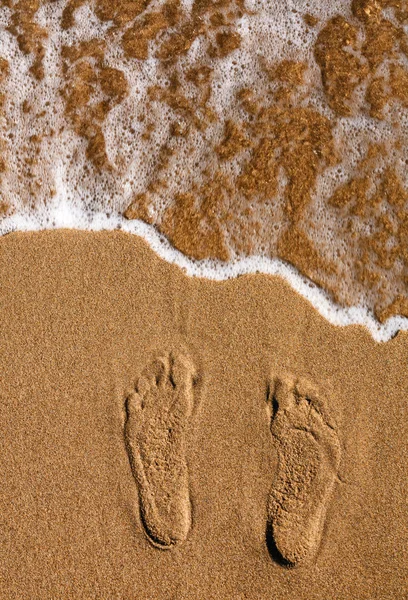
309, 457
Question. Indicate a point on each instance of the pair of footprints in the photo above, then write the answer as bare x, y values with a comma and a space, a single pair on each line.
157, 415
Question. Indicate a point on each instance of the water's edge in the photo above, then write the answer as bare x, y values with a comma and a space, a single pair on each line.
210, 269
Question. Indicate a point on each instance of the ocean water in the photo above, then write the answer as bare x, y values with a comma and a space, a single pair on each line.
235, 137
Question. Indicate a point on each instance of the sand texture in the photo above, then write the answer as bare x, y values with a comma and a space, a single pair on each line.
164, 437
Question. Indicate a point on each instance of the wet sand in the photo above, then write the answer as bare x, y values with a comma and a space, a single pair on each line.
241, 498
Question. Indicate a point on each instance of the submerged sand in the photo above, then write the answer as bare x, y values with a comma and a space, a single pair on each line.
82, 314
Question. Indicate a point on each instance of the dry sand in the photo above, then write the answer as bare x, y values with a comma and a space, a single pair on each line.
82, 317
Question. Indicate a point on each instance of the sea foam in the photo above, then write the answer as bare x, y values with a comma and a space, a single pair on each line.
95, 118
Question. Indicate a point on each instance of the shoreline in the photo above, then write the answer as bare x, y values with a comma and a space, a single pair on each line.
211, 269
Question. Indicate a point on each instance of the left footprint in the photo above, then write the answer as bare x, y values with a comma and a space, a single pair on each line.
157, 416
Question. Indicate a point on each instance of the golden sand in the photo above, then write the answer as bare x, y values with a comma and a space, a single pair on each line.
171, 437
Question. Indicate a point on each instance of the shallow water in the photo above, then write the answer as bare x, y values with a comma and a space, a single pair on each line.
246, 136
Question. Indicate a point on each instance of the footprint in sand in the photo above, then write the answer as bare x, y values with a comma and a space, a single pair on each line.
309, 457
157, 415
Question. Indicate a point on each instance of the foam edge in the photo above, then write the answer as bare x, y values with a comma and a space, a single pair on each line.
64, 216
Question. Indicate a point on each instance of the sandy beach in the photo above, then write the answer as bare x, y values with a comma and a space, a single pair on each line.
253, 391
177, 422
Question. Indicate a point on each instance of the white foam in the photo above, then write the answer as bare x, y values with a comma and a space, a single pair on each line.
68, 197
